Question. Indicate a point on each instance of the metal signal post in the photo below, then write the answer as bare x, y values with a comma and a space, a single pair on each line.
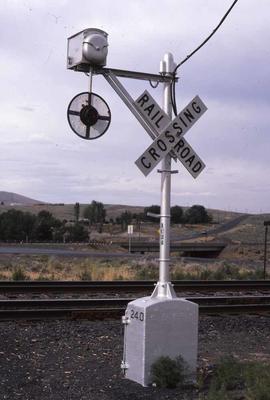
266, 224
164, 287
161, 324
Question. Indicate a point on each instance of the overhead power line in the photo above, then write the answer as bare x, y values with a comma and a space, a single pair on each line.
173, 97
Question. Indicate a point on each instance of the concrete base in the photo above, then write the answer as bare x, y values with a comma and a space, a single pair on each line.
156, 327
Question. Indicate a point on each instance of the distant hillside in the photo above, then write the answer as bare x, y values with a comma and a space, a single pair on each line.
66, 211
9, 198
115, 210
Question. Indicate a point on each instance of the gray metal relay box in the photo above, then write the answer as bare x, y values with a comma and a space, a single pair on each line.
87, 48
156, 327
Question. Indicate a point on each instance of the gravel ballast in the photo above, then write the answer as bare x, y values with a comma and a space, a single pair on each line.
79, 360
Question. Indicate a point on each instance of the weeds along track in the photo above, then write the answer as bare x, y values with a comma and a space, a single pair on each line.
93, 309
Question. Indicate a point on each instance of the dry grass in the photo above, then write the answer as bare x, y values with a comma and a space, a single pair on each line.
245, 246
60, 268
249, 231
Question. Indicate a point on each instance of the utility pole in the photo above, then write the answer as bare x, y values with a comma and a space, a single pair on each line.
266, 224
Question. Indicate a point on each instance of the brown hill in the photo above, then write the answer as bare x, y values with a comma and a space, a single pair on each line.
9, 198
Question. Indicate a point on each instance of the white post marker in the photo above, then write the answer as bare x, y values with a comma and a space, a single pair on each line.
171, 137
130, 229
130, 233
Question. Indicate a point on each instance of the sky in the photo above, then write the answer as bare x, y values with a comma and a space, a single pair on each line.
43, 159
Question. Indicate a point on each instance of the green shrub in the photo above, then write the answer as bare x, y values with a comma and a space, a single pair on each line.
228, 374
256, 274
257, 378
205, 274
19, 275
168, 373
219, 275
182, 275
146, 274
224, 272
43, 278
231, 271
219, 395
240, 380
86, 276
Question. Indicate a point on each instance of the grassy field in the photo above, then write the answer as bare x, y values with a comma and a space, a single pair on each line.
250, 231
242, 258
70, 268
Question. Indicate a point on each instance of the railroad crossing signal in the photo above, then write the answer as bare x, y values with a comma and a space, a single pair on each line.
160, 324
171, 134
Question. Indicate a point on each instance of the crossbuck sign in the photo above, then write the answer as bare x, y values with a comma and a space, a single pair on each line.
170, 134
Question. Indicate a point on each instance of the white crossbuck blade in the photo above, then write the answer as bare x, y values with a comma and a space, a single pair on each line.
171, 134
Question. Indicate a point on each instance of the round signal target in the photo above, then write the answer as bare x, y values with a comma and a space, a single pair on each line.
88, 115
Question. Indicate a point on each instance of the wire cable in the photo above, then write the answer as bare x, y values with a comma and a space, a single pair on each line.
154, 86
173, 97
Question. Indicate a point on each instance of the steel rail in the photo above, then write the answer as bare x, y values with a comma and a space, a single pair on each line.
113, 308
125, 286
112, 302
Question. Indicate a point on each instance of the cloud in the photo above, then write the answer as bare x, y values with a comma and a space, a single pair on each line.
26, 108
44, 159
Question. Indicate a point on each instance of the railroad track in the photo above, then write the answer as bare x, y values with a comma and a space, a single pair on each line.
114, 308
8, 287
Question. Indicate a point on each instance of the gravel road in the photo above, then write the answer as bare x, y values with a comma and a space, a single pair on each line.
79, 360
